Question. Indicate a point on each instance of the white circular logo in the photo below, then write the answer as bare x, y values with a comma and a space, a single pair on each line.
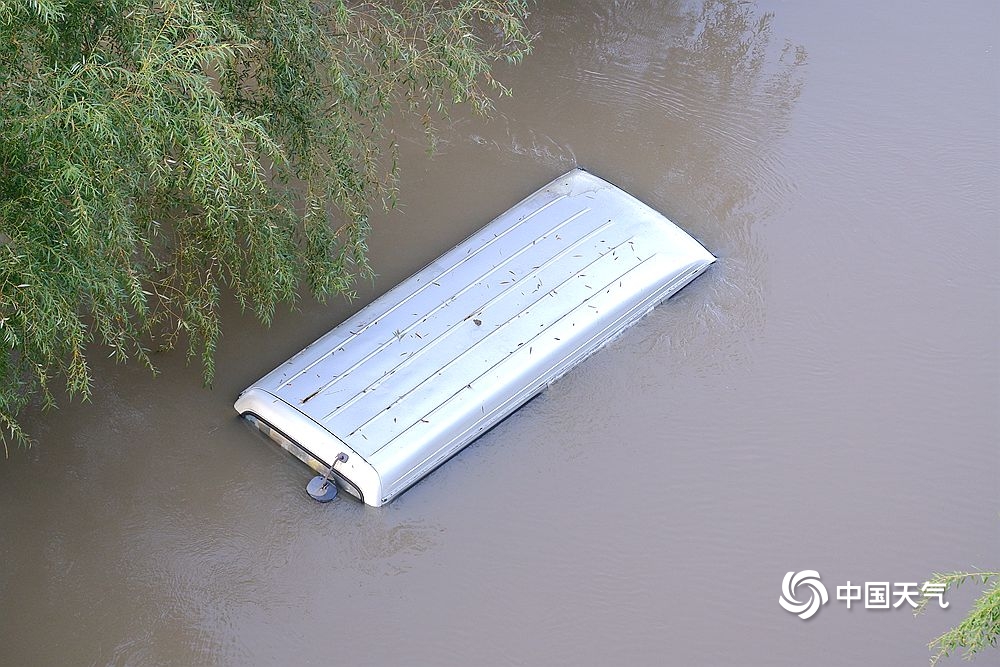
817, 593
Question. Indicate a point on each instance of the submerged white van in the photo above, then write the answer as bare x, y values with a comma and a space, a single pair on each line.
388, 395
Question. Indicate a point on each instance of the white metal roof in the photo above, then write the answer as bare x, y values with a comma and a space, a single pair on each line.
451, 350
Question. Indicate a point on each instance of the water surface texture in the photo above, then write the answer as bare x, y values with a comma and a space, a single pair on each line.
826, 397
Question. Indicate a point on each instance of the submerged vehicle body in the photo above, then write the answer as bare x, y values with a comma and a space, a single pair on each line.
394, 391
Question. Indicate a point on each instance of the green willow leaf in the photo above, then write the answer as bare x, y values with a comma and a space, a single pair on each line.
155, 156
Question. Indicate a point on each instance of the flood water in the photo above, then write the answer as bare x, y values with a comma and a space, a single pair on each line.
826, 397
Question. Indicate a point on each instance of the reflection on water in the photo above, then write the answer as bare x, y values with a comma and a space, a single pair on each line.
775, 415
696, 101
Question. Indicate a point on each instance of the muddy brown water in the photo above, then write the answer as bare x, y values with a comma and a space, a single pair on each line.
826, 397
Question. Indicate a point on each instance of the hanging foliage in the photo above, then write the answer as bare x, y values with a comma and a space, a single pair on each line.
154, 155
